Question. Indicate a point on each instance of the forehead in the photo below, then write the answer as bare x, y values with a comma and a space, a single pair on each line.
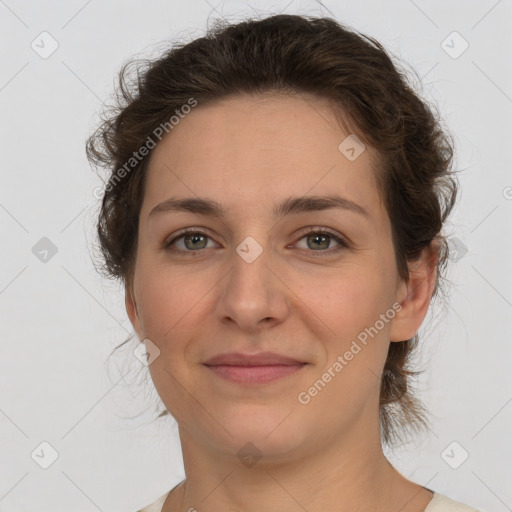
259, 148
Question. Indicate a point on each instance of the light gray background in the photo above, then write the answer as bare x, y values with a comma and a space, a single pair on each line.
59, 320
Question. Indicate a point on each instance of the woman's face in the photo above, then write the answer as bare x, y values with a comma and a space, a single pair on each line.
255, 281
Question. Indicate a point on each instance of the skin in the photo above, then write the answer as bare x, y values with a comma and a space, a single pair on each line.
249, 153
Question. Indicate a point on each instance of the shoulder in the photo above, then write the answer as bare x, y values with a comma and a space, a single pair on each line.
157, 505
442, 503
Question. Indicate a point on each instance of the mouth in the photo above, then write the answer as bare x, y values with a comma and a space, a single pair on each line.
254, 374
258, 368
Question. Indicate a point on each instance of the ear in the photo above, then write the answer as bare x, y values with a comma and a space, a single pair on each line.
133, 314
414, 296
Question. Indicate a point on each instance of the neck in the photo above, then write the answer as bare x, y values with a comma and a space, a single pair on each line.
349, 472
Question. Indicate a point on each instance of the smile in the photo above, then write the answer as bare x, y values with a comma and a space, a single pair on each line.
254, 374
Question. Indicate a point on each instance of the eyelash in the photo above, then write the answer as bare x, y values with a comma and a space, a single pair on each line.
343, 244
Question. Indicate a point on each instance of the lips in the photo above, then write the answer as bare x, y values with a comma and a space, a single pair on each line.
259, 368
258, 359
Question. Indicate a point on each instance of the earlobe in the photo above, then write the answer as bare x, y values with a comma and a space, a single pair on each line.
414, 296
133, 314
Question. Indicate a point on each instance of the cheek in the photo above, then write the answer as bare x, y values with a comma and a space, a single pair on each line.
352, 305
168, 299
356, 344
346, 299
171, 310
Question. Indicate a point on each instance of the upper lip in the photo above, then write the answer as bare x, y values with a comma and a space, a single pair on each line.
258, 359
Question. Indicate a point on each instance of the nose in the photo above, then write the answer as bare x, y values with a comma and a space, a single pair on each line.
253, 297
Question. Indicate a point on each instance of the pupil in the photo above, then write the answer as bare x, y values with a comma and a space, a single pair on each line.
317, 237
194, 239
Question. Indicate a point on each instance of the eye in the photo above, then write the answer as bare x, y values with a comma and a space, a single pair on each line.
192, 240
318, 239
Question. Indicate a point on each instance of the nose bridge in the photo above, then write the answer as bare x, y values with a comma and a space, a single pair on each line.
252, 291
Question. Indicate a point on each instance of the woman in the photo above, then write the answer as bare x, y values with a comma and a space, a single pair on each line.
274, 210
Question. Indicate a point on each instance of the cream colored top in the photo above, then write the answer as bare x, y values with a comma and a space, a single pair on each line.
438, 503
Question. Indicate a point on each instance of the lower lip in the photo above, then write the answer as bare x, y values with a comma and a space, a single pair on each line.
254, 374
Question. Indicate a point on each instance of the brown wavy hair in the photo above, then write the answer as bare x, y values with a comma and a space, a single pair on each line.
291, 54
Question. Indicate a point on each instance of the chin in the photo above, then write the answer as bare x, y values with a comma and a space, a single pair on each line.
260, 432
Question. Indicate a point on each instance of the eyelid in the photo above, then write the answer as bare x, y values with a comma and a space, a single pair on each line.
183, 232
343, 242
320, 229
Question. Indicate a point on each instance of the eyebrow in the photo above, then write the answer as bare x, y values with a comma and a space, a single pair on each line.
290, 206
